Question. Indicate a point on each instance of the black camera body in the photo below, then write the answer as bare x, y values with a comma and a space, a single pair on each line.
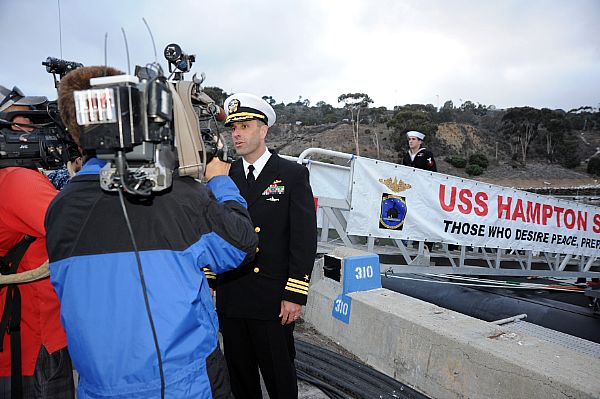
127, 121
47, 146
120, 113
130, 121
40, 148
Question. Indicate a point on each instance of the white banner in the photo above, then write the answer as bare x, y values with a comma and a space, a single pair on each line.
394, 201
328, 180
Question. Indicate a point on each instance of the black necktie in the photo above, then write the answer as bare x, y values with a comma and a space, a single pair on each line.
250, 176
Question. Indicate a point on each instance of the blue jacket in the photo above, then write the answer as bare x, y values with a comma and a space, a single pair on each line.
94, 272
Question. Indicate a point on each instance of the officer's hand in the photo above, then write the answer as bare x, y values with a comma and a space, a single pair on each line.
290, 312
216, 167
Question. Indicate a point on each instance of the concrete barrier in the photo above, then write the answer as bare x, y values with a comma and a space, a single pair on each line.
445, 354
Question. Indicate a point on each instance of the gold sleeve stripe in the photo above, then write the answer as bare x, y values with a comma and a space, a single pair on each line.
300, 287
209, 273
293, 280
295, 290
211, 277
305, 292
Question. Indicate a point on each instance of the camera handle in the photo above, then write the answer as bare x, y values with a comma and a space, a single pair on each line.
190, 147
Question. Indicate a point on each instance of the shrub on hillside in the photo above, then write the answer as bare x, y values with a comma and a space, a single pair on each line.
474, 170
456, 161
479, 159
593, 167
571, 160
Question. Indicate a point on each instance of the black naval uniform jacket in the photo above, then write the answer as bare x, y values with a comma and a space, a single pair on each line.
282, 209
423, 160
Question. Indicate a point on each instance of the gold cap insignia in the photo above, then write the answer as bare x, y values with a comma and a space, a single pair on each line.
395, 184
233, 106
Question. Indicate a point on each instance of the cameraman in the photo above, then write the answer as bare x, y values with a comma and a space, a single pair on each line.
14, 101
94, 271
34, 361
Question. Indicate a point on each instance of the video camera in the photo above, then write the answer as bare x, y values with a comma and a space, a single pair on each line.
134, 122
47, 146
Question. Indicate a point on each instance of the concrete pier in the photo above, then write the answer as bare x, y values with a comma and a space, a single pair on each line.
445, 354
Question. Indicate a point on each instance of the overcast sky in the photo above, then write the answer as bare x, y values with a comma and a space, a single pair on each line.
507, 53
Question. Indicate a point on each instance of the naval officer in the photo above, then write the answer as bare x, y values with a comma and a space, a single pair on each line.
259, 303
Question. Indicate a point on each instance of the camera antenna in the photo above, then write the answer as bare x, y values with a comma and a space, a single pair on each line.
59, 30
105, 50
152, 38
126, 51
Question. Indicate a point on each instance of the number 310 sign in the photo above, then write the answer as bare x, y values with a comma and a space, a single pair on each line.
361, 273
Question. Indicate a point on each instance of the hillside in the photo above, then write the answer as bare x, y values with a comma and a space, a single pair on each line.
450, 139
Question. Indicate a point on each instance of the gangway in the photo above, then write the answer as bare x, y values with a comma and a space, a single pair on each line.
347, 194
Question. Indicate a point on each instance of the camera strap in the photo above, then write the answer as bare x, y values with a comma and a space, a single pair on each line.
190, 147
10, 323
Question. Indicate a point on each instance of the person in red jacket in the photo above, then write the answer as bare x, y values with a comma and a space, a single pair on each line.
46, 368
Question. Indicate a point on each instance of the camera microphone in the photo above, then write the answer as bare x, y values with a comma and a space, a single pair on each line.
61, 67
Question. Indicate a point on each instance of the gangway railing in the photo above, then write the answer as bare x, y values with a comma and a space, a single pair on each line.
335, 185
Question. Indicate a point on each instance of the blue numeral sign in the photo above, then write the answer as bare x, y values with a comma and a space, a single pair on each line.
341, 308
361, 273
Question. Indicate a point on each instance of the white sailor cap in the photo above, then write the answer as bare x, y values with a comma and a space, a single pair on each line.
16, 97
414, 133
244, 107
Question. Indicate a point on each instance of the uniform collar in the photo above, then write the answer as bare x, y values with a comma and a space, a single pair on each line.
412, 156
258, 165
418, 151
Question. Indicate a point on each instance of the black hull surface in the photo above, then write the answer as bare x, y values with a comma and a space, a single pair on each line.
567, 312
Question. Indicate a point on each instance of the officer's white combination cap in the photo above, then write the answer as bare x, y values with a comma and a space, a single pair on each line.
241, 107
414, 133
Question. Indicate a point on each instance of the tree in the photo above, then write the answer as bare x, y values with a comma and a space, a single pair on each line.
466, 113
302, 103
217, 94
593, 167
570, 153
556, 126
270, 100
406, 119
474, 170
581, 117
479, 159
520, 126
481, 109
325, 110
468, 106
446, 112
355, 102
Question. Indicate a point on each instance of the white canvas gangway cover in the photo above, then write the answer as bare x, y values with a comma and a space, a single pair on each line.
394, 201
